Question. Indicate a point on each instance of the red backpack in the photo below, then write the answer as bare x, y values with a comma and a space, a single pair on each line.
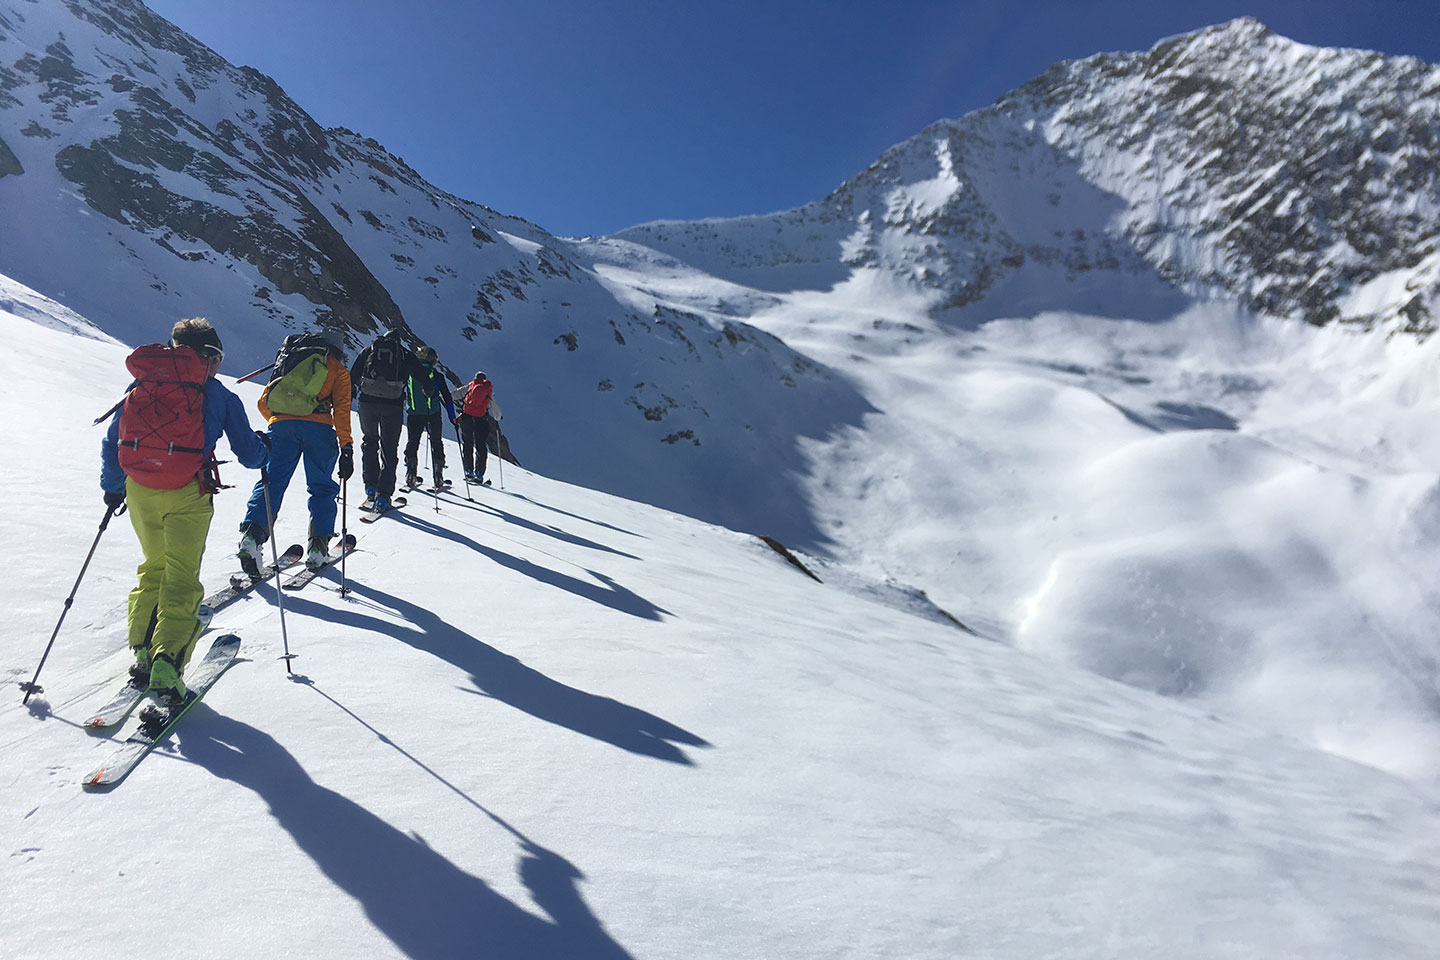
477, 398
162, 419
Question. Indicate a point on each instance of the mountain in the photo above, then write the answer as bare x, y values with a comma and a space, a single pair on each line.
1228, 163
148, 180
1137, 352
553, 724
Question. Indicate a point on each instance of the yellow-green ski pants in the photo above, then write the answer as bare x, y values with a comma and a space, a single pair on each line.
172, 526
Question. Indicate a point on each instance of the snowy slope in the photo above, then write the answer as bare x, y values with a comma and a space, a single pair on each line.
152, 180
552, 723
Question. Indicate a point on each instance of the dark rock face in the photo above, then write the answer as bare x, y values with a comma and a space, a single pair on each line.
9, 163
1311, 171
263, 158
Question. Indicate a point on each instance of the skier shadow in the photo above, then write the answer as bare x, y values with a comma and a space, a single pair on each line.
506, 679
424, 904
607, 592
561, 535
567, 513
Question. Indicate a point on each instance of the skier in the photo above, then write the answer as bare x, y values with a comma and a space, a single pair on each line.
423, 399
307, 405
159, 454
378, 377
478, 412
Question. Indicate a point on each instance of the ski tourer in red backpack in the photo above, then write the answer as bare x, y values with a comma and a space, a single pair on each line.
477, 400
159, 456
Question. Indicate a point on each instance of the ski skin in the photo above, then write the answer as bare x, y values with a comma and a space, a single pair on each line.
129, 696
153, 728
347, 545
371, 516
242, 583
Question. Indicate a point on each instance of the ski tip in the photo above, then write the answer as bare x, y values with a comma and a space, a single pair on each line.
227, 641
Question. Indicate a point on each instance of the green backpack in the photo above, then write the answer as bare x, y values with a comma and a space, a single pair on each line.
300, 374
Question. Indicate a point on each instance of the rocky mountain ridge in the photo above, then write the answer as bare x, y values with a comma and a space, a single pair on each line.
1228, 163
142, 177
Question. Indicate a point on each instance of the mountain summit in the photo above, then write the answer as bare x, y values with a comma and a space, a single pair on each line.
1229, 162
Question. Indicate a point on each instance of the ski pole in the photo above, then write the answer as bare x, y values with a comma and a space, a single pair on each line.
430, 467
33, 686
499, 459
461, 441
275, 553
344, 530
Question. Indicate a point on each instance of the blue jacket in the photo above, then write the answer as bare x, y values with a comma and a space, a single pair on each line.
224, 413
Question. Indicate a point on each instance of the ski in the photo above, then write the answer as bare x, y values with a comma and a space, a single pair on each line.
241, 584
308, 574
155, 721
372, 516
132, 693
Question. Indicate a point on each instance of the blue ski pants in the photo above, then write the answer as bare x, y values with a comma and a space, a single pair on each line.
290, 442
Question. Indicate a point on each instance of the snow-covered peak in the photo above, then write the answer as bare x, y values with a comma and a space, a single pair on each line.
1225, 162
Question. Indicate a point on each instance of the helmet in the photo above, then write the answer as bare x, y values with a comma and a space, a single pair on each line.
427, 354
480, 375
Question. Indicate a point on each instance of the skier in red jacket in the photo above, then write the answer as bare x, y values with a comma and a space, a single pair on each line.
478, 399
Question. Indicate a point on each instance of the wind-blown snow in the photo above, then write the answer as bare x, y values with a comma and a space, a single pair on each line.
553, 723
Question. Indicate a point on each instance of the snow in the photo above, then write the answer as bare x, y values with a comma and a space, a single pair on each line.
555, 723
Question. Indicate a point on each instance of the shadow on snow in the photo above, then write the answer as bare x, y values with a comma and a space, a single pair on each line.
426, 905
508, 680
606, 593
561, 535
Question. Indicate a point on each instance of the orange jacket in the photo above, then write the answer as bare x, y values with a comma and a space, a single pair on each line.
336, 390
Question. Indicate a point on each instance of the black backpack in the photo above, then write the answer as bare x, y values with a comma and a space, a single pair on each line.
384, 374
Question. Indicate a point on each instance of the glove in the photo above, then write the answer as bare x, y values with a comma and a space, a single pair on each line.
113, 500
454, 421
264, 438
347, 461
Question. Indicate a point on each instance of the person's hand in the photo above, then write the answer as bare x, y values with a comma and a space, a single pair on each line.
113, 500
263, 437
454, 421
347, 461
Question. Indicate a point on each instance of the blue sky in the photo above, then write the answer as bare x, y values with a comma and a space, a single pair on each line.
588, 116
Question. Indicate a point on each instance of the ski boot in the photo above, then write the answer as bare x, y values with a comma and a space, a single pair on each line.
165, 684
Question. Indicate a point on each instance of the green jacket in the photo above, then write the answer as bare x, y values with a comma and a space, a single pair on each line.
422, 399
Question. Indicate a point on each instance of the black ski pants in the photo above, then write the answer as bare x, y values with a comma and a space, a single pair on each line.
419, 425
380, 423
473, 435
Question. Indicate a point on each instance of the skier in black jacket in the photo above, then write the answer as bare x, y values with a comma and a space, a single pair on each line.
378, 378
423, 410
